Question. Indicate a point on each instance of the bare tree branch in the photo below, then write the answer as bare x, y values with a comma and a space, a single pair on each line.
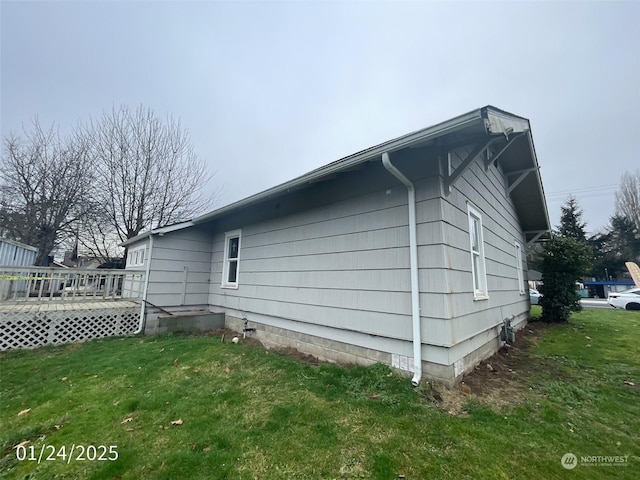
147, 174
45, 184
125, 172
628, 198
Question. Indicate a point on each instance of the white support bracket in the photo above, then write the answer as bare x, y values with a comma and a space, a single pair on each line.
537, 236
475, 153
493, 158
521, 176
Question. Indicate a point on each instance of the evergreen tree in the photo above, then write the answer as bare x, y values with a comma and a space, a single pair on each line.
565, 260
620, 243
571, 224
625, 241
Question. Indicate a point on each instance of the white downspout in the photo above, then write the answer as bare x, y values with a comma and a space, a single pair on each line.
413, 259
143, 320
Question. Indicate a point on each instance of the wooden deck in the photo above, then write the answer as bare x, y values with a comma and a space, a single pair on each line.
60, 306
30, 324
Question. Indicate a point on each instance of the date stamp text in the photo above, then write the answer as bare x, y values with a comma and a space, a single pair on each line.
67, 454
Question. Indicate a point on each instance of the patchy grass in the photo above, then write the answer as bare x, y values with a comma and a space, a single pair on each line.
251, 413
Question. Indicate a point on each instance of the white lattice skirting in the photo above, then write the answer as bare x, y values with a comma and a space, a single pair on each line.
35, 329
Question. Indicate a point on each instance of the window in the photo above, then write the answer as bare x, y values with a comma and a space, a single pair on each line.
519, 268
478, 269
231, 263
135, 257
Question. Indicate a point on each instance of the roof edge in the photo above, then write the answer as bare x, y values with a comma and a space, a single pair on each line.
419, 136
158, 231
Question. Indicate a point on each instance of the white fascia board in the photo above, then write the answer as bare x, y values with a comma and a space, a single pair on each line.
539, 178
500, 122
173, 228
137, 238
161, 230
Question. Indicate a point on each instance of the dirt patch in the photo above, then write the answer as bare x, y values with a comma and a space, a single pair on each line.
502, 379
298, 355
227, 335
219, 332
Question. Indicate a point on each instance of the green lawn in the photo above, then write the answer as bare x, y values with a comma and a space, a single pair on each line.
250, 413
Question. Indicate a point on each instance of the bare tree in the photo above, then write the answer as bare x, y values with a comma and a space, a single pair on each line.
95, 237
44, 184
147, 174
628, 198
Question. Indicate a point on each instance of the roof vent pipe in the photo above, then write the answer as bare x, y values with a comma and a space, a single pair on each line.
413, 260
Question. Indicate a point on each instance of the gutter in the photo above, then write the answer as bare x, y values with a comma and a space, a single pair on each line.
143, 320
413, 260
160, 231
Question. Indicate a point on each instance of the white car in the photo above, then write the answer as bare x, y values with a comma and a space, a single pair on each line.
628, 299
534, 296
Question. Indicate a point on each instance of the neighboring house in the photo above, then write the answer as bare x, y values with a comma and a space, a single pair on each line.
409, 253
73, 260
16, 254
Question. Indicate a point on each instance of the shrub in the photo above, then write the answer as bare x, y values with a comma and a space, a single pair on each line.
564, 261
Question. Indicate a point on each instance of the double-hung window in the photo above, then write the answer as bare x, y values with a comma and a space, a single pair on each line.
478, 268
519, 268
135, 257
231, 265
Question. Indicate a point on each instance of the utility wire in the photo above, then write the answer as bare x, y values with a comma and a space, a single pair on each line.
588, 190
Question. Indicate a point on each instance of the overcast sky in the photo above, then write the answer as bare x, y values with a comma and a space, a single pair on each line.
271, 90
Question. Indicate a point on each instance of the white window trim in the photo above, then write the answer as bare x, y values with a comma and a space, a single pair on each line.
136, 256
226, 260
519, 268
481, 291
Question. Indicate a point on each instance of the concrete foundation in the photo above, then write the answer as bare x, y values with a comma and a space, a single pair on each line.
189, 323
347, 354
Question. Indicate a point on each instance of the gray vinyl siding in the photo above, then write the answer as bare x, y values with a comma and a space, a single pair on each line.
341, 269
326, 256
180, 268
487, 191
333, 261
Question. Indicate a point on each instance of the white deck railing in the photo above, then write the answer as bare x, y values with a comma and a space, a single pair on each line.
20, 284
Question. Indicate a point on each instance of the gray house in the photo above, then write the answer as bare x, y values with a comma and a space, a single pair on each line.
410, 253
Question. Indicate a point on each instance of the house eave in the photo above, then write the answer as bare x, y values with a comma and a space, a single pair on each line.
157, 231
486, 122
374, 153
528, 194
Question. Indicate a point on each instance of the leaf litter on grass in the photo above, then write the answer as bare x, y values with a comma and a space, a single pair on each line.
280, 410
